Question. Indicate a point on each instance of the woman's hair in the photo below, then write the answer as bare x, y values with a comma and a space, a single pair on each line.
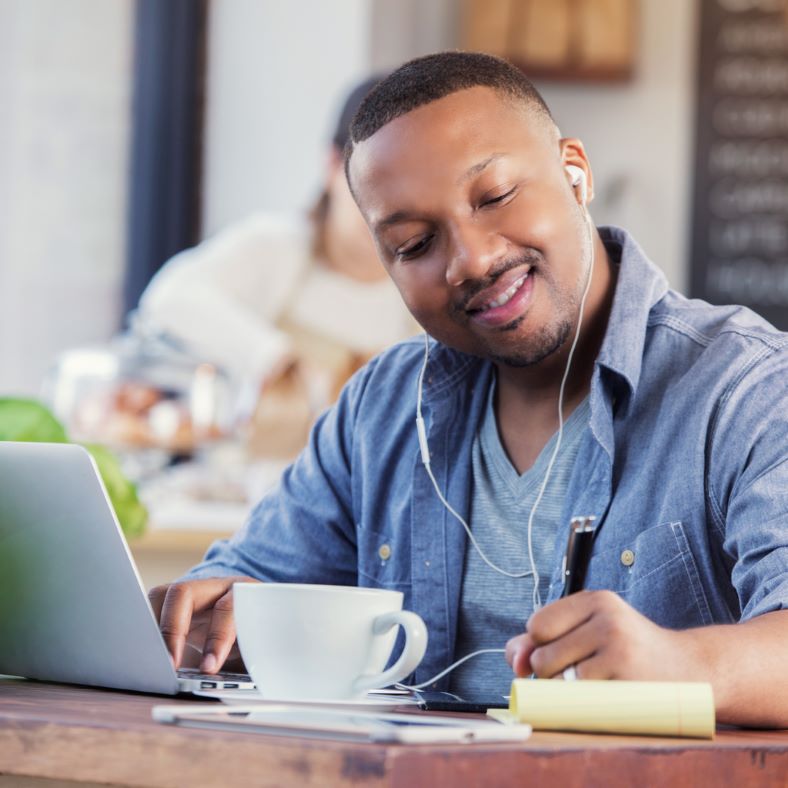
318, 213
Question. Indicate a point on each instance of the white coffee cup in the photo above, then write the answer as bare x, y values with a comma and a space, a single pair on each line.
323, 642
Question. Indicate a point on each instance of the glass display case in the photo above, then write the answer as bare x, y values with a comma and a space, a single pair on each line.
142, 392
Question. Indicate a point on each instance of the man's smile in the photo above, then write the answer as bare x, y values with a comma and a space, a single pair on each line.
504, 301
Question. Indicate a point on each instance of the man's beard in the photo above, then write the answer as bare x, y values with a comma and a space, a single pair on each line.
537, 345
548, 340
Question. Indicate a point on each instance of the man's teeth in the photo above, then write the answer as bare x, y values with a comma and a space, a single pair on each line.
506, 295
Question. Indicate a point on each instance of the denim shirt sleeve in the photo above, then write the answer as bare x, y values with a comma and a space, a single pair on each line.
303, 529
748, 462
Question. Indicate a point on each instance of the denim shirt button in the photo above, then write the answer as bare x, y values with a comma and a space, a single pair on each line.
384, 551
627, 558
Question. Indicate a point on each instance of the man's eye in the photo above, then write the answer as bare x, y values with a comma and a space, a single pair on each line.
499, 199
414, 250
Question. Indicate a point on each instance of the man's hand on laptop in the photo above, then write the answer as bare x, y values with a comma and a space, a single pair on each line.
196, 618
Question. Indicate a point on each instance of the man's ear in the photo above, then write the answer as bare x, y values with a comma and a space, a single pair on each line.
573, 154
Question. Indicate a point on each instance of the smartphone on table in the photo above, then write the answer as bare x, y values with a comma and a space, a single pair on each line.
283, 720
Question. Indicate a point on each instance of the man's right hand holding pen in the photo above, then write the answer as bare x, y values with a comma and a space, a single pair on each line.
597, 635
590, 634
602, 637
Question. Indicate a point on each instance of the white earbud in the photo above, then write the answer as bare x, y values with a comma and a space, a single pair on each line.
578, 177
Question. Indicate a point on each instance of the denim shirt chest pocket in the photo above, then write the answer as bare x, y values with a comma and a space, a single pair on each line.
383, 558
656, 573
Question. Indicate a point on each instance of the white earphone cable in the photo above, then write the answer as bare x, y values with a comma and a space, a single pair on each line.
425, 456
537, 597
451, 667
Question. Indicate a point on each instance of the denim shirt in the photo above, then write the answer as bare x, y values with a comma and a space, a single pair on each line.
685, 465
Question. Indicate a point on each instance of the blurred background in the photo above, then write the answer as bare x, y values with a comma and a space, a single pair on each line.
131, 130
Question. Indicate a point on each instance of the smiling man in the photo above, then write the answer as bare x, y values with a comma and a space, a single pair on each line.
562, 378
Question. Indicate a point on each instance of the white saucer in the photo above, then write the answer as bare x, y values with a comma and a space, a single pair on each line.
251, 697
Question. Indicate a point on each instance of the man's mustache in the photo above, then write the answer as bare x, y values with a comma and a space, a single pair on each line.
472, 288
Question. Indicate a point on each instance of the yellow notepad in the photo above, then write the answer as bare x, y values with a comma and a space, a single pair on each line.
653, 708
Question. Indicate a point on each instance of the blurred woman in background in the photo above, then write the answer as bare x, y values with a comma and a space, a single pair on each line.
288, 306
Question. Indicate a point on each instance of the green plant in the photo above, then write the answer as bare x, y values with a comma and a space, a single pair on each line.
28, 420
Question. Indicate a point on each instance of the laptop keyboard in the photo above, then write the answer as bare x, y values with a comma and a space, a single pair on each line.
213, 680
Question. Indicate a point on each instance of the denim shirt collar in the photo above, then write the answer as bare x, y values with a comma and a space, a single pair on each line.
639, 287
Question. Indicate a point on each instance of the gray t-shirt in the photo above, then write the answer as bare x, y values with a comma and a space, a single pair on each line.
494, 607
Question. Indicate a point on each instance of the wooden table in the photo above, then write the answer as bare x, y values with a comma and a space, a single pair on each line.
52, 732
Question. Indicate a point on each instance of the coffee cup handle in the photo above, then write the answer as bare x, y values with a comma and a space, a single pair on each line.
412, 654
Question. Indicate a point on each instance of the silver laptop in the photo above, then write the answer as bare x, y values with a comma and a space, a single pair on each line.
72, 606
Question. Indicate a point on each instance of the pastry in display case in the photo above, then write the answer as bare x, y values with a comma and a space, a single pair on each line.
138, 394
180, 425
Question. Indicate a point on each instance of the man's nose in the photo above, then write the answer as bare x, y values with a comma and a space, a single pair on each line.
473, 251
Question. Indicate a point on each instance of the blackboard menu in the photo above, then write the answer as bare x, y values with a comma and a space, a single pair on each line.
740, 222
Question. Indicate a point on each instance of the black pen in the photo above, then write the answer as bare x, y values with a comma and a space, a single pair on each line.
578, 553
575, 565
576, 558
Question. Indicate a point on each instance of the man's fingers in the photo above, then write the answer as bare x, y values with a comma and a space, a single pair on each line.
221, 635
220, 641
156, 598
175, 619
572, 648
596, 667
556, 619
181, 602
518, 654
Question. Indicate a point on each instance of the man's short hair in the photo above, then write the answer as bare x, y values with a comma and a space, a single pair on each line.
426, 79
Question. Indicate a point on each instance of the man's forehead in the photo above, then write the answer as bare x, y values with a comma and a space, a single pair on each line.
461, 130
447, 114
